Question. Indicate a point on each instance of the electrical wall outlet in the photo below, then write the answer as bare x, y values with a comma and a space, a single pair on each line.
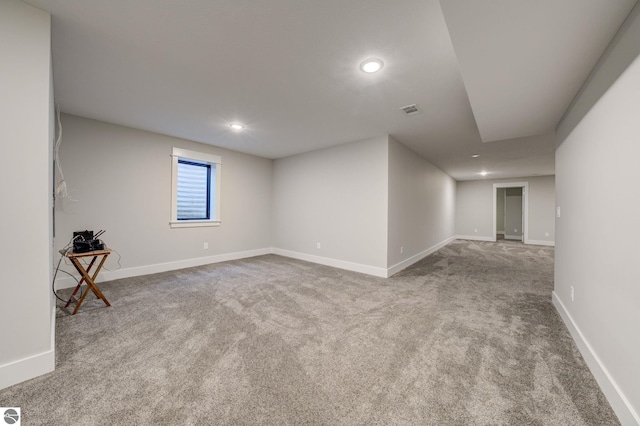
515, 229
206, 246
318, 245
475, 230
572, 294
401, 250
546, 234
557, 211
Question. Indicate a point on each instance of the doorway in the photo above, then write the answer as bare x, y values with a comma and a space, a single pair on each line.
510, 211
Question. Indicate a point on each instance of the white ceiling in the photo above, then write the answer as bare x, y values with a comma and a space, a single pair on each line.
523, 61
288, 69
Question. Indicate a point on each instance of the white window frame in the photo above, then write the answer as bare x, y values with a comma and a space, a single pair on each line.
214, 160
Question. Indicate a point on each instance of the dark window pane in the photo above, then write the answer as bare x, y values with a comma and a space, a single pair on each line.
194, 190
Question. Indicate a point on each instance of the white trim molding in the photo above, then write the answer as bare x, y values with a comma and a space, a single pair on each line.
513, 237
542, 243
474, 238
33, 366
27, 368
194, 223
196, 155
618, 401
418, 257
213, 160
68, 282
336, 263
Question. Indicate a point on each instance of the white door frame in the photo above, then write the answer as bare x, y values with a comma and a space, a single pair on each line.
525, 209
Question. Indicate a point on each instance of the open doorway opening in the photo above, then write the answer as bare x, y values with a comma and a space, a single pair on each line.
512, 220
510, 211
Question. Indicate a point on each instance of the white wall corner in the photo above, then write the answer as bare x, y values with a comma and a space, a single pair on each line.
418, 257
618, 401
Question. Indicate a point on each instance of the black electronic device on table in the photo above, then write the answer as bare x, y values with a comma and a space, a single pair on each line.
85, 241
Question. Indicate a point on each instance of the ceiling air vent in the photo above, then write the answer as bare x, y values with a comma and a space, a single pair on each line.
411, 109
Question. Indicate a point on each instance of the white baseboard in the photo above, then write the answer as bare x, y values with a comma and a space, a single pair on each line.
416, 258
618, 401
474, 238
359, 267
27, 368
33, 366
500, 232
336, 263
541, 243
513, 237
68, 282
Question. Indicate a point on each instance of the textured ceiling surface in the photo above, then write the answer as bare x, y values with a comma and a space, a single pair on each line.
288, 70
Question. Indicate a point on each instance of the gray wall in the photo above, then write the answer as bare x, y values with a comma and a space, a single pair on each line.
362, 201
421, 204
336, 197
597, 182
513, 213
474, 208
26, 309
340, 197
120, 180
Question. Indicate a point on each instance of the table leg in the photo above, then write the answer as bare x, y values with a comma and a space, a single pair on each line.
95, 287
75, 310
90, 281
79, 282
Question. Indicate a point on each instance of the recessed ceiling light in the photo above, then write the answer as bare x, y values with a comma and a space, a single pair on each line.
483, 173
475, 156
236, 126
371, 65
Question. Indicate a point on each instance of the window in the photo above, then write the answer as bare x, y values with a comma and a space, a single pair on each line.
195, 189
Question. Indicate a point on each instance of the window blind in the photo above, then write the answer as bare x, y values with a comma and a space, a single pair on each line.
194, 190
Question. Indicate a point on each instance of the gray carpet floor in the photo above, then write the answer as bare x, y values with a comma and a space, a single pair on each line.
467, 336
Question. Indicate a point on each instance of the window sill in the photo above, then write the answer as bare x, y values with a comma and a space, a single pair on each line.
194, 223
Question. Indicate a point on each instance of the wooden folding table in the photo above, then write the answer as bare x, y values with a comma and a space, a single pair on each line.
85, 277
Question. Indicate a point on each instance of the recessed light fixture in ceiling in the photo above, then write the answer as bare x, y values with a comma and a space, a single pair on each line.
475, 156
371, 65
483, 173
237, 126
